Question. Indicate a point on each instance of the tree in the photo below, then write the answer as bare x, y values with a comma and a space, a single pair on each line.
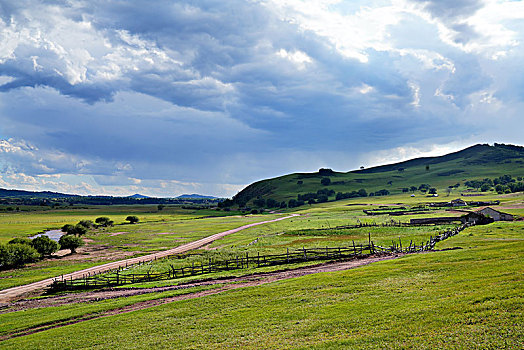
325, 181
432, 190
427, 167
362, 193
79, 230
160, 207
70, 242
45, 245
485, 187
271, 203
322, 198
311, 201
132, 219
413, 189
68, 228
16, 255
300, 182
104, 221
86, 223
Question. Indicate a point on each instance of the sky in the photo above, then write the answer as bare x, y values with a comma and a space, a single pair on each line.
166, 97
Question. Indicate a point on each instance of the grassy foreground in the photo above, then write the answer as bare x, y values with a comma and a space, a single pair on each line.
466, 298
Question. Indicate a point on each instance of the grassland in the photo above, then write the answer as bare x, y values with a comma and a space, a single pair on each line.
466, 298
181, 226
463, 298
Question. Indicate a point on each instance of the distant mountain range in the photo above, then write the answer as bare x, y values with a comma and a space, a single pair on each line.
195, 196
138, 196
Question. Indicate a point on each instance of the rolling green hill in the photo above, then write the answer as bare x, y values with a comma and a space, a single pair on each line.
473, 163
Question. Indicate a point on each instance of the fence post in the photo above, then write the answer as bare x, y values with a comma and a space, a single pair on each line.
287, 255
400, 241
247, 260
354, 248
258, 259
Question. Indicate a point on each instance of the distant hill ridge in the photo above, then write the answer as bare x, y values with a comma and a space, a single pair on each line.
475, 162
194, 196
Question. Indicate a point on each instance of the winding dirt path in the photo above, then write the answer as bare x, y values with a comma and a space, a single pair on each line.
15, 292
224, 285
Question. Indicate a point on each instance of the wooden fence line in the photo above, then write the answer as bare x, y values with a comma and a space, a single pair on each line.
116, 277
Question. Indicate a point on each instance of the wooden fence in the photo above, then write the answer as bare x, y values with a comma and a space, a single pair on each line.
121, 277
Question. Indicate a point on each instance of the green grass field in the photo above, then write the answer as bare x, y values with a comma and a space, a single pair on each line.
463, 298
467, 298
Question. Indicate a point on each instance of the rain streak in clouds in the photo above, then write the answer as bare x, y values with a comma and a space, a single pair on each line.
163, 97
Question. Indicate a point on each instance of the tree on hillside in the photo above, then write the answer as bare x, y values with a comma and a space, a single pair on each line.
160, 207
432, 190
132, 219
325, 181
70, 242
413, 189
45, 245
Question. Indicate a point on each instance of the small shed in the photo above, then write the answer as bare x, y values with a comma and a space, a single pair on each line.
495, 214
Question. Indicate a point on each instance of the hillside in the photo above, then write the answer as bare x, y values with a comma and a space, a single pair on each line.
473, 163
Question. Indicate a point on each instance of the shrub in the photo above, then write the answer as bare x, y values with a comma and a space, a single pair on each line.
104, 221
20, 241
45, 245
132, 219
68, 228
86, 223
325, 181
70, 242
16, 255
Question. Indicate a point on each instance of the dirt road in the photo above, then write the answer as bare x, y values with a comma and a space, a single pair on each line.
15, 292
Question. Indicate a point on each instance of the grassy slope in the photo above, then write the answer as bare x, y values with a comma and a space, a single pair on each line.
468, 298
476, 162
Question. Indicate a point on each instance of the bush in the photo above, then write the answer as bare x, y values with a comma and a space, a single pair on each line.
104, 221
45, 245
86, 223
16, 255
20, 241
70, 242
132, 219
325, 181
68, 228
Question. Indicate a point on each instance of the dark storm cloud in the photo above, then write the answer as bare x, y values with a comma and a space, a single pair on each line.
216, 92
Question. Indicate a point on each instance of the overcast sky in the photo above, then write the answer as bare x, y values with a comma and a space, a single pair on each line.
170, 97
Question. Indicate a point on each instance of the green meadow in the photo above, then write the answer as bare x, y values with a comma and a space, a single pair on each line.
470, 296
464, 298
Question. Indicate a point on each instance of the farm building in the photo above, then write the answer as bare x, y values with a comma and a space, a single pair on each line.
495, 214
458, 203
476, 218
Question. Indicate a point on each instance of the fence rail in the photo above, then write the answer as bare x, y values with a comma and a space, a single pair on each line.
120, 277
